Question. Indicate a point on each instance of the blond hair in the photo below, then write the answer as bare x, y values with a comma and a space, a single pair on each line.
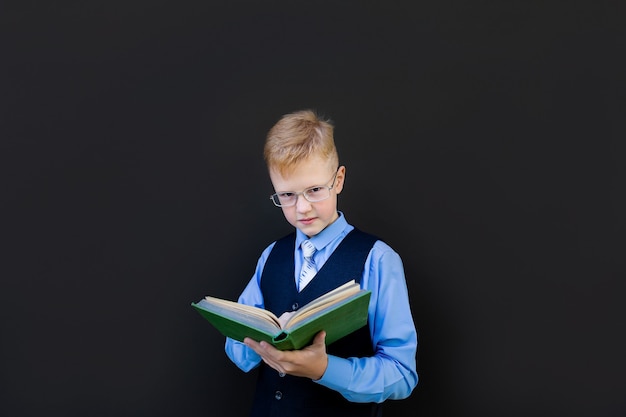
296, 137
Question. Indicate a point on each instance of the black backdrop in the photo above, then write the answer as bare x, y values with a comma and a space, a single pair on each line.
484, 140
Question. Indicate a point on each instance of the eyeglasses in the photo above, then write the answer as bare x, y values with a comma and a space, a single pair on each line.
311, 194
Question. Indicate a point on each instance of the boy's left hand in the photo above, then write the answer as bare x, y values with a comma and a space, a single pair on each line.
309, 362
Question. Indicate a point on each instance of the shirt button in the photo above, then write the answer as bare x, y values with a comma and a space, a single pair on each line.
295, 306
278, 395
281, 374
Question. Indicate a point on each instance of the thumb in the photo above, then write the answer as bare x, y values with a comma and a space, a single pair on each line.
320, 338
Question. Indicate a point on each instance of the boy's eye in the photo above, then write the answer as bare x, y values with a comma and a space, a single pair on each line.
285, 195
313, 190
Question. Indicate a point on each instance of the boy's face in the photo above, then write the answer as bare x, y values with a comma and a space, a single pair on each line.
310, 218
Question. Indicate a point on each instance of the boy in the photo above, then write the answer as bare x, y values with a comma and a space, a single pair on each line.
356, 374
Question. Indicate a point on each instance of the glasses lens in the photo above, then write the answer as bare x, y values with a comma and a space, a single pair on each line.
284, 199
317, 194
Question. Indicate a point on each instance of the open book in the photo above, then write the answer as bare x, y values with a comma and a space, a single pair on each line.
339, 312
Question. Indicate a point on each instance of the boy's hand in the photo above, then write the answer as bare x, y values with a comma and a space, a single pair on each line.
309, 362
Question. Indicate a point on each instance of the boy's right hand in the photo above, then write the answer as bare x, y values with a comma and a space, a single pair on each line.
309, 362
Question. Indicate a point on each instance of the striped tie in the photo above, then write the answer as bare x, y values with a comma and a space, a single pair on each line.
308, 268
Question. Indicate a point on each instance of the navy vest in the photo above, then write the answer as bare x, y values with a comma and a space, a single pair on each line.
278, 396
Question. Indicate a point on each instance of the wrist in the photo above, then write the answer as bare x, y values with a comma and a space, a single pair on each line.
321, 369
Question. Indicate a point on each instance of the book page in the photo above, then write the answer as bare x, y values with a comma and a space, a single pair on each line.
330, 298
285, 317
242, 311
315, 313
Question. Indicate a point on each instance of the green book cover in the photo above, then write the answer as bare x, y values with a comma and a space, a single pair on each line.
339, 313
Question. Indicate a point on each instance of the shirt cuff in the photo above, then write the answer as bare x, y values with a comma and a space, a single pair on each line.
338, 374
245, 358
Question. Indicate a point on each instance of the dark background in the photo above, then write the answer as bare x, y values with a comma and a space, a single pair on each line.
484, 140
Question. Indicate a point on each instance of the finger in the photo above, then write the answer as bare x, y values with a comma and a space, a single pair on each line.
271, 351
320, 338
256, 347
250, 342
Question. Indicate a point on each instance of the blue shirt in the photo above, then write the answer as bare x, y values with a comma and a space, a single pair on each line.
389, 374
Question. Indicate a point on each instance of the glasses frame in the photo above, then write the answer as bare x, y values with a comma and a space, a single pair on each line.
274, 197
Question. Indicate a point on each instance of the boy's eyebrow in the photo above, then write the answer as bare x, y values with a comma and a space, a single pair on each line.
291, 191
312, 186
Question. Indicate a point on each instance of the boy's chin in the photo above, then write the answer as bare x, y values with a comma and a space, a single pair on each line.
311, 230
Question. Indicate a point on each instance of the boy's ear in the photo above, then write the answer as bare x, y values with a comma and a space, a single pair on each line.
341, 178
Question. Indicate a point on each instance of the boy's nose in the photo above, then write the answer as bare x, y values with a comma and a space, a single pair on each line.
302, 204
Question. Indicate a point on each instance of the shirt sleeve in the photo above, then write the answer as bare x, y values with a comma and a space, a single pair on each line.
245, 358
391, 373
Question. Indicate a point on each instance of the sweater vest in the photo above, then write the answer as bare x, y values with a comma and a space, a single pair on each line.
278, 396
